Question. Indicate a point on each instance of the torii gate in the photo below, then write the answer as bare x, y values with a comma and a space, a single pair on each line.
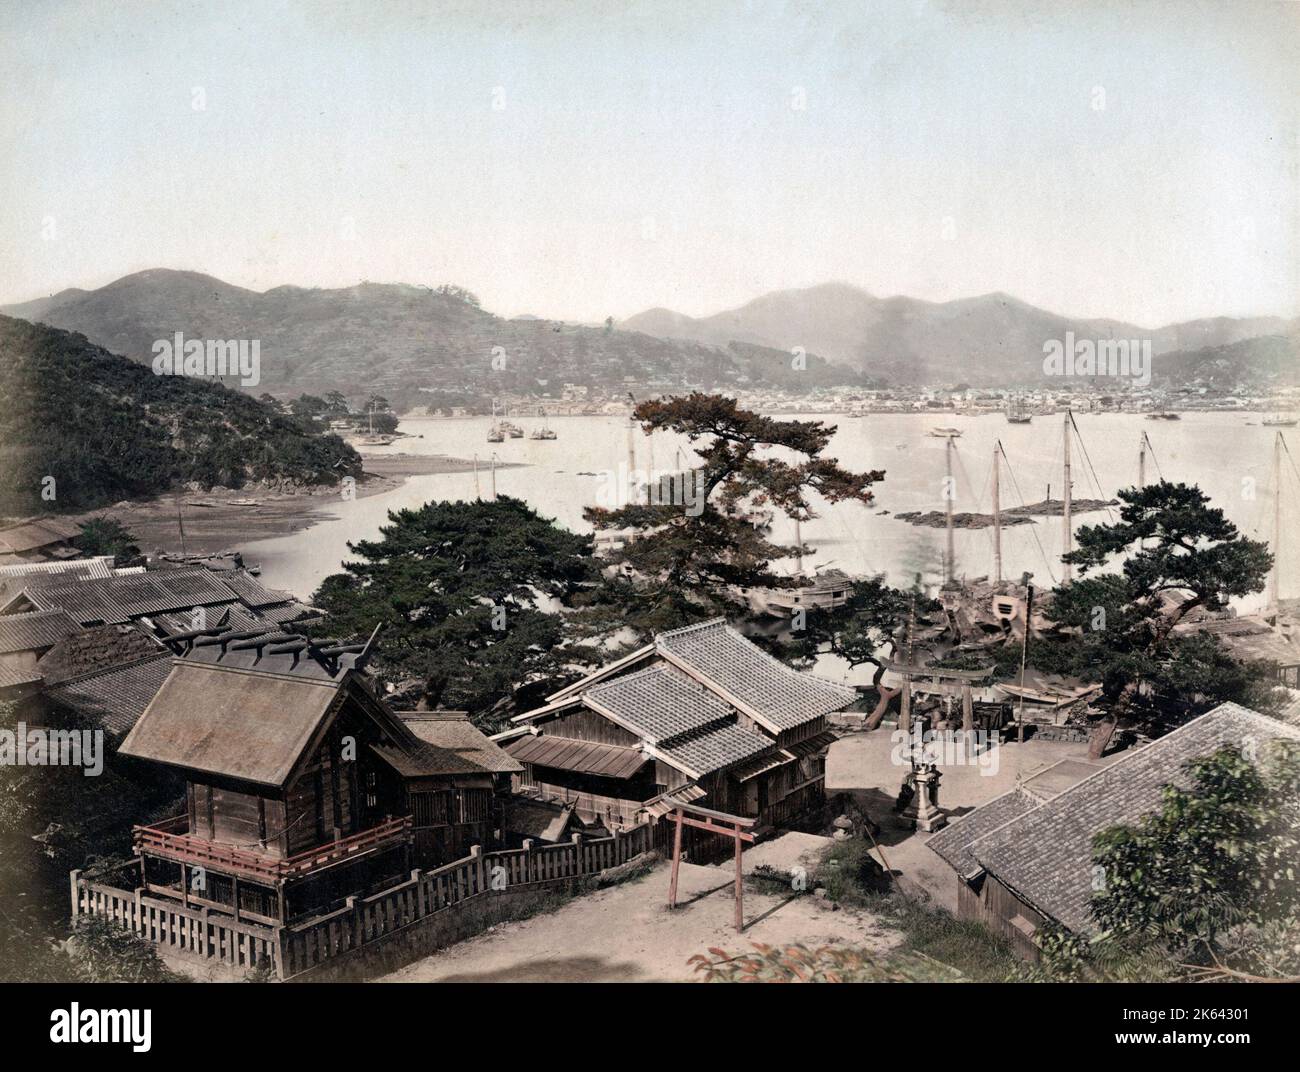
716, 822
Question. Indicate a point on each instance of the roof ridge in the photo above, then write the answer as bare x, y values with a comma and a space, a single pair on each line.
694, 627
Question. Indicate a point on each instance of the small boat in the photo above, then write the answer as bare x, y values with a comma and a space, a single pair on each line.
496, 435
243, 502
945, 433
544, 432
512, 430
376, 440
1164, 415
1279, 420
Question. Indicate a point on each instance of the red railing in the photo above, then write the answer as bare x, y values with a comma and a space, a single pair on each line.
170, 839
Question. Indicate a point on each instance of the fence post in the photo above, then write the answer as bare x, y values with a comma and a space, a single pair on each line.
73, 878
528, 860
417, 876
281, 967
358, 921
476, 854
577, 851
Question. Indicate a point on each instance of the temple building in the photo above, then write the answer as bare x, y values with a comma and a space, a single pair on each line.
701, 716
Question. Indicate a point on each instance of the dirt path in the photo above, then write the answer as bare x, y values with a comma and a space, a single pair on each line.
626, 933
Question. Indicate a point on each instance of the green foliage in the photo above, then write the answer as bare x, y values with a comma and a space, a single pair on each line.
1181, 554
108, 536
457, 587
107, 428
681, 568
1209, 874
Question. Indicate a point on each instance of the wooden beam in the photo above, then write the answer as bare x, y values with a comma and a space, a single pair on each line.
677, 859
740, 895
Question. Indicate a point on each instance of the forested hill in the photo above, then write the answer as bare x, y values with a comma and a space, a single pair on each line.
403, 341
107, 428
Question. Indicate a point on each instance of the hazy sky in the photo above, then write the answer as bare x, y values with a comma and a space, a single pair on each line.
578, 160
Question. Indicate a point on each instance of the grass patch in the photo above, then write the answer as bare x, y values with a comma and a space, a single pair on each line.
853, 878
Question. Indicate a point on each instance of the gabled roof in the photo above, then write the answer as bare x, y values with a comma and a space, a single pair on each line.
681, 720
248, 725
454, 733
34, 630
1045, 855
117, 696
742, 673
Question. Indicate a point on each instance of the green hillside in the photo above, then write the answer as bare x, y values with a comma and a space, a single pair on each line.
107, 428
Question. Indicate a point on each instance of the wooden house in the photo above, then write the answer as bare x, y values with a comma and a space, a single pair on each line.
701, 715
303, 788
1024, 859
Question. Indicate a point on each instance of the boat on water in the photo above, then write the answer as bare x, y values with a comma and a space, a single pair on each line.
1018, 411
1280, 420
945, 433
544, 432
378, 440
1164, 415
496, 435
822, 591
512, 430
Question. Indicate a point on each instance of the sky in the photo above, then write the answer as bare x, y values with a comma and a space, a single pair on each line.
580, 160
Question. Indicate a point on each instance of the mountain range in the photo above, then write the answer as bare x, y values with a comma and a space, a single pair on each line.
412, 343
402, 341
990, 339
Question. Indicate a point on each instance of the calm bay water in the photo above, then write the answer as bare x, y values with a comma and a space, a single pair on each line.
1230, 456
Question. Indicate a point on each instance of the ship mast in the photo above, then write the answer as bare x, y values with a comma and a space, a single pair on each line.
1142, 460
947, 504
1275, 581
997, 518
1066, 502
798, 539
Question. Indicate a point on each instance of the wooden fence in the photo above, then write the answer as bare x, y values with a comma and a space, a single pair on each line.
297, 948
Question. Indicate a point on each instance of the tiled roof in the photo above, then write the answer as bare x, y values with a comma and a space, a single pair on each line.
953, 842
681, 719
35, 630
1045, 855
452, 731
121, 598
12, 676
251, 591
773, 692
99, 566
115, 697
660, 702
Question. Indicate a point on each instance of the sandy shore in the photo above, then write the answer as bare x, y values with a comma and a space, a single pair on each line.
214, 523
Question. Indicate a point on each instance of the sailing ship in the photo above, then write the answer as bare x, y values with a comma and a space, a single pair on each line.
1018, 411
1279, 420
373, 439
945, 433
496, 435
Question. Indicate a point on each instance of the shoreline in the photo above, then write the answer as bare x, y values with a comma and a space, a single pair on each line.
214, 522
